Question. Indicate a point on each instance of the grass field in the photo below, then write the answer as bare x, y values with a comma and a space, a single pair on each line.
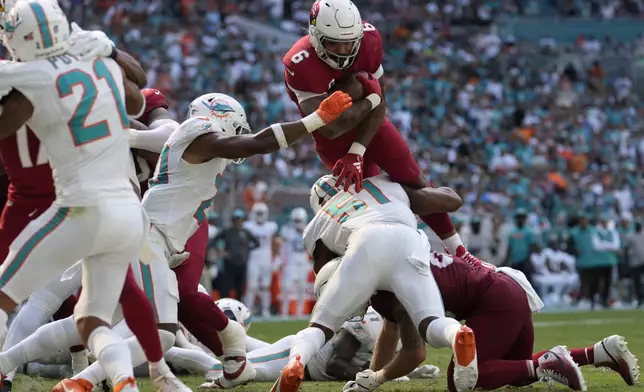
578, 329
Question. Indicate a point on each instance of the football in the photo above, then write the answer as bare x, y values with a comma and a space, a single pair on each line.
350, 85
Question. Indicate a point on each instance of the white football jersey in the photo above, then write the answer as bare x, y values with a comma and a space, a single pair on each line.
293, 245
364, 329
264, 232
181, 192
81, 120
381, 201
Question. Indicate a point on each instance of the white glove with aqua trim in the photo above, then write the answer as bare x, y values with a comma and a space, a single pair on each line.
90, 44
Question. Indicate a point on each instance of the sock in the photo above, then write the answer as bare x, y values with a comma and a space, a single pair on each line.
452, 243
79, 360
233, 339
112, 353
192, 360
48, 339
442, 332
583, 356
3, 325
203, 318
139, 316
306, 344
27, 321
265, 297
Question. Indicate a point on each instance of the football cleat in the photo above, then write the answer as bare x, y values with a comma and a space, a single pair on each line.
462, 253
169, 383
127, 385
614, 354
557, 365
73, 385
291, 378
6, 386
466, 373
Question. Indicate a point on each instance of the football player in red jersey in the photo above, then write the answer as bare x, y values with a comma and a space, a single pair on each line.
31, 191
363, 140
497, 304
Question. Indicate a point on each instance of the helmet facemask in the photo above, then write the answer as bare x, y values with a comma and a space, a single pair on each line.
335, 60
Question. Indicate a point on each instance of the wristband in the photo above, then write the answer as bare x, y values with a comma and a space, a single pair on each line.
357, 149
313, 122
279, 135
114, 53
132, 137
375, 100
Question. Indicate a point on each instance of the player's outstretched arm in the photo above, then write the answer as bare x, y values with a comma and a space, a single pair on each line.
215, 145
343, 124
16, 111
134, 100
429, 200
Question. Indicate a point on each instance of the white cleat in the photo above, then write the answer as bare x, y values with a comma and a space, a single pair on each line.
558, 365
168, 382
614, 354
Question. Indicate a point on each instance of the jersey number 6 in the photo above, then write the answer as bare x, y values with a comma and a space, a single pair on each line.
84, 133
299, 56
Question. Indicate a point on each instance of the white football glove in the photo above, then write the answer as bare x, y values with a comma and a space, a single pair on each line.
425, 371
89, 44
365, 381
177, 259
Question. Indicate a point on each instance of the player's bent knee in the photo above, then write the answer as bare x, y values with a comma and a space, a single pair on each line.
328, 333
167, 339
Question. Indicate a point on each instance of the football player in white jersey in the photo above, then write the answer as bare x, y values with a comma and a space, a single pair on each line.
77, 110
294, 262
260, 262
375, 230
185, 183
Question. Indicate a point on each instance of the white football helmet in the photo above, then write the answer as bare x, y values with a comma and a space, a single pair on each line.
259, 212
299, 218
236, 311
323, 189
335, 21
225, 111
35, 29
323, 276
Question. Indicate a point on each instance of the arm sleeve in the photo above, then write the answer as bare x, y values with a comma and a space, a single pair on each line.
152, 140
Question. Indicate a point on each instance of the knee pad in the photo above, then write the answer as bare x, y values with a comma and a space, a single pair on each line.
167, 339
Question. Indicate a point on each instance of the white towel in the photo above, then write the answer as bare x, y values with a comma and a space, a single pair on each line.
533, 298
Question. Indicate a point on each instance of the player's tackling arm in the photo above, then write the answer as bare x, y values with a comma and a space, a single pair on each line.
16, 111
131, 67
343, 124
215, 145
429, 200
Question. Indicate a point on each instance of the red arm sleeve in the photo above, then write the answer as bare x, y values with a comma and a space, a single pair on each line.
371, 51
153, 99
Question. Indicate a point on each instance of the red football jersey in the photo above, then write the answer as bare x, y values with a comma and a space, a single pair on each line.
27, 167
461, 285
306, 75
153, 99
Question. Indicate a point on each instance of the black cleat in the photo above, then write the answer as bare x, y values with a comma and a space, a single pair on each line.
6, 386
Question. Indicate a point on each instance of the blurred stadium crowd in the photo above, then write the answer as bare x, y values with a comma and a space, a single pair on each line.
539, 129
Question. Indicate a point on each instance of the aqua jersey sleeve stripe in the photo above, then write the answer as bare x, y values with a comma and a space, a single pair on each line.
375, 192
43, 24
26, 249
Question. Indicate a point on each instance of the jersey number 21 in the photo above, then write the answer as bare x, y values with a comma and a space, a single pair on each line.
82, 132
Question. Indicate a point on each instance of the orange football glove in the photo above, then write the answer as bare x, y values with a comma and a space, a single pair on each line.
332, 107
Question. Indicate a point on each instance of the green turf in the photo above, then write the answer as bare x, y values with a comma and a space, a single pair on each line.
571, 329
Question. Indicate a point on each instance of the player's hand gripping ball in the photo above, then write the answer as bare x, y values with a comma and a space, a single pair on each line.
352, 86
